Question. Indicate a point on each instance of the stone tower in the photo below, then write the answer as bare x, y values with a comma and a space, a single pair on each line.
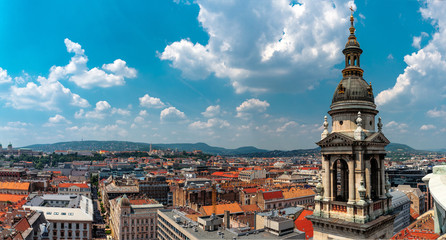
352, 200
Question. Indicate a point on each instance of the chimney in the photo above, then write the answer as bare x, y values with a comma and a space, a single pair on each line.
226, 220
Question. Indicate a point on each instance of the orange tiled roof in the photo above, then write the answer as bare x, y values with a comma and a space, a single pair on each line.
251, 208
221, 208
14, 185
296, 193
13, 198
67, 185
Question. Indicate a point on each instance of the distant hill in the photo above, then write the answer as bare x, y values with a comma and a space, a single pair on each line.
398, 147
137, 146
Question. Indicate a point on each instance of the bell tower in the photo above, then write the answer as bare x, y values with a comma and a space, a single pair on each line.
353, 200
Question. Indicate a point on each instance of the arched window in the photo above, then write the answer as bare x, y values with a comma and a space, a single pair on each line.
374, 179
340, 180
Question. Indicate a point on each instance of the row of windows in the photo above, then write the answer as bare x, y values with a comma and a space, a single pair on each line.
140, 221
169, 229
70, 225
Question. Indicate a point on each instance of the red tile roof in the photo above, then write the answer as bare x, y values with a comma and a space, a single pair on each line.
272, 195
304, 225
22, 225
67, 185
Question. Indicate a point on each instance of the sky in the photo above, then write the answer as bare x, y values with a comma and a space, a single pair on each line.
227, 73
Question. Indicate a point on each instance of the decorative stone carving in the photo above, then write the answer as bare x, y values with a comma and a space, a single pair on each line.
380, 125
359, 132
319, 189
325, 132
362, 192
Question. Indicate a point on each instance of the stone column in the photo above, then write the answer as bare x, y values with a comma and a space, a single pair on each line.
382, 177
326, 177
367, 180
351, 181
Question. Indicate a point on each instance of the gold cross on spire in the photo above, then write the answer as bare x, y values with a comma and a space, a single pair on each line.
351, 9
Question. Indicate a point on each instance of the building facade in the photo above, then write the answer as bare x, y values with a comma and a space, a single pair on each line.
71, 216
133, 219
74, 189
353, 201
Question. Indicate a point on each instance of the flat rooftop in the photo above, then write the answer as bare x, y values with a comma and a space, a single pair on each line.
227, 233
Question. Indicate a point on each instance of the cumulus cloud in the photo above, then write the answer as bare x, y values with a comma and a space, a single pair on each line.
58, 119
49, 93
427, 127
102, 109
286, 126
171, 114
211, 111
4, 77
422, 83
112, 74
263, 47
396, 126
416, 43
210, 123
437, 113
150, 102
45, 95
250, 106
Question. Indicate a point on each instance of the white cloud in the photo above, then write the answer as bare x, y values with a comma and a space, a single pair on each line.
172, 114
286, 126
211, 111
427, 127
139, 119
396, 126
4, 77
120, 111
58, 119
46, 95
263, 47
437, 113
102, 109
143, 113
416, 43
78, 72
210, 123
390, 56
150, 102
250, 106
50, 94
422, 83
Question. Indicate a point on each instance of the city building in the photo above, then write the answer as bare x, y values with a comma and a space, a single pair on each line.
416, 198
249, 175
74, 189
174, 224
21, 188
352, 200
155, 188
71, 216
133, 219
401, 207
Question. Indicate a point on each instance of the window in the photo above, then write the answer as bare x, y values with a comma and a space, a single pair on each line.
77, 225
63, 213
56, 213
48, 213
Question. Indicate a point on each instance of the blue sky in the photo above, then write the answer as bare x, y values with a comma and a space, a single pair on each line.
228, 73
